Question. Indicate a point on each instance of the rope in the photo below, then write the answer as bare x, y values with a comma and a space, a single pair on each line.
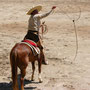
44, 30
75, 29
76, 40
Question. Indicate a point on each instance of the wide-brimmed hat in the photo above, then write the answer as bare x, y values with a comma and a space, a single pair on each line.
34, 8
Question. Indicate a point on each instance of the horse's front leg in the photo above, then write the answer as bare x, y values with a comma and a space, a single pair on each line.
39, 70
33, 69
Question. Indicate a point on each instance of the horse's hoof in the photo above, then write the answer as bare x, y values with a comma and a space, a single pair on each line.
40, 81
32, 79
45, 62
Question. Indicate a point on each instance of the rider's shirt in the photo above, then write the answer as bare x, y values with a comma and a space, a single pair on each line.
34, 21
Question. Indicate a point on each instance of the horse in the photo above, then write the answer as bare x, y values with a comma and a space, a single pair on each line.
20, 56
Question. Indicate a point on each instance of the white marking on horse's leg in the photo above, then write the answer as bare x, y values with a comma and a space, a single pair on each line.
32, 77
46, 62
39, 77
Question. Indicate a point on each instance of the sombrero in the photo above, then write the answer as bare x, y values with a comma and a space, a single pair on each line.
34, 8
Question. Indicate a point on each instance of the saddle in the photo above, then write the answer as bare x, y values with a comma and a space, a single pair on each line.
32, 45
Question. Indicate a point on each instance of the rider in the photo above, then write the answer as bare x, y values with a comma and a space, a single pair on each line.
34, 25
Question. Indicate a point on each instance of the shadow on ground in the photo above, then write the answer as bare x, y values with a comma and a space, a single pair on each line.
8, 86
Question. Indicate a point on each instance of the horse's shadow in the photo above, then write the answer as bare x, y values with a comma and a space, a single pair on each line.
28, 82
8, 86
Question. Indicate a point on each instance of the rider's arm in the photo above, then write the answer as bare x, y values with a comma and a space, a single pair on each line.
45, 14
40, 16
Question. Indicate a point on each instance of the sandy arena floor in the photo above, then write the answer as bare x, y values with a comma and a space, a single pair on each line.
62, 73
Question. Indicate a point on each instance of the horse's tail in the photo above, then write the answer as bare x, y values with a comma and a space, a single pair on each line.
13, 61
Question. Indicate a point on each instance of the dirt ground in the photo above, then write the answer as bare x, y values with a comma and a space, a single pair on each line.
63, 72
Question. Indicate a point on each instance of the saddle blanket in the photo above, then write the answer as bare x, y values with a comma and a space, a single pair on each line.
32, 45
30, 42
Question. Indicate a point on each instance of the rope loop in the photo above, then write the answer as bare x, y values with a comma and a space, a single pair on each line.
74, 25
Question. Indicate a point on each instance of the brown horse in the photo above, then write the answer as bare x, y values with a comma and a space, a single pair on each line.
21, 54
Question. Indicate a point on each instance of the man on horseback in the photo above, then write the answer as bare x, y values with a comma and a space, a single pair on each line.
34, 26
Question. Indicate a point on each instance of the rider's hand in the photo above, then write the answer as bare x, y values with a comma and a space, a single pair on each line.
53, 7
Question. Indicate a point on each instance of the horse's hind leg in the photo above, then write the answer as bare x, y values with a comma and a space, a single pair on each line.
14, 70
33, 69
14, 78
23, 73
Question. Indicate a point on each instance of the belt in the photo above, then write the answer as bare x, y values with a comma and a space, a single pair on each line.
33, 31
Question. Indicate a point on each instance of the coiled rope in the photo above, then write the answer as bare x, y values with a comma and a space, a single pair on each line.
44, 30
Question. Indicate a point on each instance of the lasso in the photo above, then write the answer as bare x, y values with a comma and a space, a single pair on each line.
44, 29
74, 24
